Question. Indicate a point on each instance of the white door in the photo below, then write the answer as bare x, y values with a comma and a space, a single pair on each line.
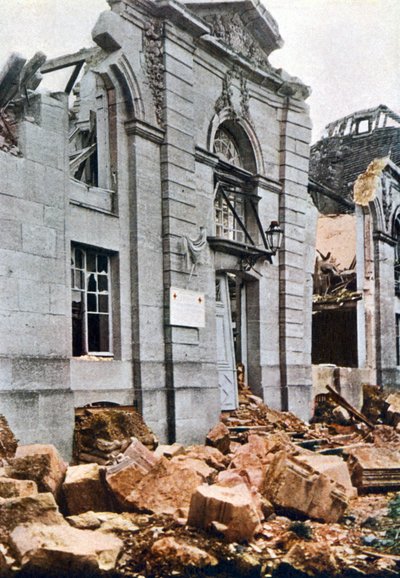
225, 348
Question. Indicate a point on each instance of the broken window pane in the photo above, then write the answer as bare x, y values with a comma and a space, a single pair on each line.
91, 262
102, 264
102, 283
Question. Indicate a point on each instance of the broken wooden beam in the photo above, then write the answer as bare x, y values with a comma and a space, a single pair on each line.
352, 410
67, 60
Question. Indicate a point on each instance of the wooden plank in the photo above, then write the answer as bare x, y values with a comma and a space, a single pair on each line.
352, 410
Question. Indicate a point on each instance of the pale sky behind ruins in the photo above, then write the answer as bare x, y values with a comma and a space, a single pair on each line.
346, 50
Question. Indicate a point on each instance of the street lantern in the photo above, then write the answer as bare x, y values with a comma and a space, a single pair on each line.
274, 236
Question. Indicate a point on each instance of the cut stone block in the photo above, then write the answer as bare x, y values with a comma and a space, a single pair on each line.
40, 463
260, 450
11, 488
295, 487
253, 476
169, 451
374, 467
84, 490
62, 549
166, 489
212, 456
219, 438
334, 467
198, 466
232, 507
122, 478
16, 511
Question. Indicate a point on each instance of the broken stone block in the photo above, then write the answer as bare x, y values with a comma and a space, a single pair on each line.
16, 511
232, 507
374, 467
40, 463
332, 466
111, 522
310, 559
85, 521
122, 478
8, 443
64, 550
10, 488
219, 438
392, 406
295, 487
171, 550
85, 490
169, 451
166, 489
196, 465
139, 452
212, 456
260, 449
253, 476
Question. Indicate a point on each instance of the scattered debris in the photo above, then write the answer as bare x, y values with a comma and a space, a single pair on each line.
8, 443
279, 502
102, 433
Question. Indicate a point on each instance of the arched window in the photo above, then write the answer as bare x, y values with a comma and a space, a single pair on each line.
230, 200
396, 235
226, 148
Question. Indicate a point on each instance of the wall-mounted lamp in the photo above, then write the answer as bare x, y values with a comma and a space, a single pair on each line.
274, 236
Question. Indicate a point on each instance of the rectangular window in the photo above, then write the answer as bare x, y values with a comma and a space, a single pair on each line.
397, 338
91, 302
226, 224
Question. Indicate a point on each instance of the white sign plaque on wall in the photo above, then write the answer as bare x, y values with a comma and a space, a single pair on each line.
187, 308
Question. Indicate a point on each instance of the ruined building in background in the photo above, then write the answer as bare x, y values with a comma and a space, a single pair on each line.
355, 184
136, 258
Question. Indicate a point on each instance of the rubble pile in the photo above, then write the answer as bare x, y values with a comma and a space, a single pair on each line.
8, 442
253, 502
253, 415
103, 433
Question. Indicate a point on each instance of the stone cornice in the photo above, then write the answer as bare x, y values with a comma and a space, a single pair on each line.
180, 15
145, 130
267, 183
206, 157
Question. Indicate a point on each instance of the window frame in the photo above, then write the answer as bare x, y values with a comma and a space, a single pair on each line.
85, 274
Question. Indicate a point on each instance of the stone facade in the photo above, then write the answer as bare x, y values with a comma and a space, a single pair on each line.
181, 145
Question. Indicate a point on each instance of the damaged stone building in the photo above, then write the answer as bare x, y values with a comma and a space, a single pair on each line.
355, 184
142, 209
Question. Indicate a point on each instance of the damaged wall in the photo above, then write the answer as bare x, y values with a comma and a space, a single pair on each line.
35, 391
362, 152
165, 90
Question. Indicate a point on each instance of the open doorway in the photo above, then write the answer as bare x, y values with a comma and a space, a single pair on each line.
231, 325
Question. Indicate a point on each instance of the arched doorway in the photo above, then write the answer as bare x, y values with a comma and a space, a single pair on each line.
237, 237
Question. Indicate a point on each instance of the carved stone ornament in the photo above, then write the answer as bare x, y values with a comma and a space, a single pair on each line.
387, 199
366, 184
153, 52
230, 29
225, 102
193, 249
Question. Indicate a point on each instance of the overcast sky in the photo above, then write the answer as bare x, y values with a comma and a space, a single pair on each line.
346, 50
